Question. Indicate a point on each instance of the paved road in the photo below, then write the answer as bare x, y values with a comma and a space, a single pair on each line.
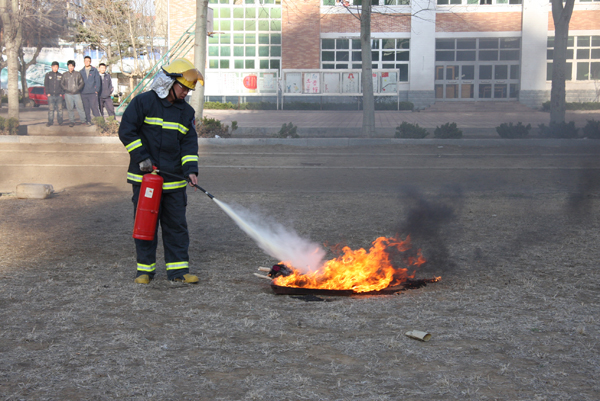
509, 169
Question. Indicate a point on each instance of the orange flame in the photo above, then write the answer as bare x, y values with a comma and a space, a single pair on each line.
360, 270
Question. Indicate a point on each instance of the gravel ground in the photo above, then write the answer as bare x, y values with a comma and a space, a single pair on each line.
515, 317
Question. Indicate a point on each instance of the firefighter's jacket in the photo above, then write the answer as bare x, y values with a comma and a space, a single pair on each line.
155, 128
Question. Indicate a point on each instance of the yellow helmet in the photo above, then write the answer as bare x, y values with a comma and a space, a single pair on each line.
184, 72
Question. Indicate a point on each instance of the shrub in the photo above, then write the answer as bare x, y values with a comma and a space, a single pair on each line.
448, 131
2, 125
559, 130
288, 131
12, 126
108, 126
211, 127
407, 130
234, 126
575, 106
258, 106
513, 131
592, 129
219, 105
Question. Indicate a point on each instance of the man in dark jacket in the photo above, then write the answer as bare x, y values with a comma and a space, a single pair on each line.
157, 129
54, 90
107, 88
91, 89
72, 84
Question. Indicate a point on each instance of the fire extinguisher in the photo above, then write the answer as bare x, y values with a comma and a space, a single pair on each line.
148, 205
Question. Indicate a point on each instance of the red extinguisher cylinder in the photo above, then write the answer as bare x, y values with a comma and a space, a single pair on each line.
146, 215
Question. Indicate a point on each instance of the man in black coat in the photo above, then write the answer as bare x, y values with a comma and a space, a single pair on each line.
72, 84
91, 89
54, 91
107, 88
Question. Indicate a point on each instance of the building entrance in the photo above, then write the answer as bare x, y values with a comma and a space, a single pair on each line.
477, 69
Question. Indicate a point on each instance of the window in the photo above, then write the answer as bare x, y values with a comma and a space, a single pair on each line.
251, 35
583, 55
385, 54
483, 49
347, 3
480, 2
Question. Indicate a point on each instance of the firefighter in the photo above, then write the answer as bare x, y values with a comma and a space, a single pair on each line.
157, 129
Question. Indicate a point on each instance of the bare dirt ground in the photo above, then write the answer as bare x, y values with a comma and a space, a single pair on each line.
515, 317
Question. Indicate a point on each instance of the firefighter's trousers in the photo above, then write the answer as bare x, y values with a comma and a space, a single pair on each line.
175, 236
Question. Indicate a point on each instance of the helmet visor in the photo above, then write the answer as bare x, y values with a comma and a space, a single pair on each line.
193, 75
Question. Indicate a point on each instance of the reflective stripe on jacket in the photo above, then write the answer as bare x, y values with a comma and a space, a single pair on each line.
155, 128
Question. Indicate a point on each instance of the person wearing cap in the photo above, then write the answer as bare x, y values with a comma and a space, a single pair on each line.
54, 91
157, 129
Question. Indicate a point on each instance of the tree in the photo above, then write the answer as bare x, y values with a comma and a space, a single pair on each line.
561, 14
19, 19
12, 33
122, 29
368, 125
362, 9
197, 101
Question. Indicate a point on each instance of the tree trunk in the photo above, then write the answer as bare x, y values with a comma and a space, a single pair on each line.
561, 16
13, 81
368, 126
13, 37
197, 101
23, 67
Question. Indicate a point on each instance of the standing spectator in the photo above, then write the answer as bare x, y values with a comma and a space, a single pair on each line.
91, 89
54, 90
105, 92
72, 84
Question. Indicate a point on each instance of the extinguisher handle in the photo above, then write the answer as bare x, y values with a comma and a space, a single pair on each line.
188, 180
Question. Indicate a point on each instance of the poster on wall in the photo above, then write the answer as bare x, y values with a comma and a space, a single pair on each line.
229, 83
388, 82
375, 83
293, 82
351, 82
331, 82
268, 82
312, 83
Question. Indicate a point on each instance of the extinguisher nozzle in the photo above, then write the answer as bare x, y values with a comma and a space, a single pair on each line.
203, 190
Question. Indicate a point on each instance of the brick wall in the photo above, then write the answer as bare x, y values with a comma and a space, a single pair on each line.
181, 15
580, 20
379, 23
478, 22
300, 36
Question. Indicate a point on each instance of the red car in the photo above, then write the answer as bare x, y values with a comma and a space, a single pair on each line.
38, 95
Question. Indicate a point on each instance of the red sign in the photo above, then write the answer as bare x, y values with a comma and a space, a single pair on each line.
250, 82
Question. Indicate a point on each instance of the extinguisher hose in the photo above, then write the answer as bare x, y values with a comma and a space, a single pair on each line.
179, 178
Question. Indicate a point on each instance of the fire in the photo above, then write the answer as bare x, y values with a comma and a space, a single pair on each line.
360, 270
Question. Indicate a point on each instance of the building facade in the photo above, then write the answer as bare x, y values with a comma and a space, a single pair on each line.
469, 50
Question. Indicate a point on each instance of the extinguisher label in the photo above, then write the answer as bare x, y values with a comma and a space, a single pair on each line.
149, 192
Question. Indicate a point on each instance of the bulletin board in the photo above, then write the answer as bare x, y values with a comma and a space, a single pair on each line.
267, 82
312, 83
293, 82
351, 82
388, 82
375, 83
331, 82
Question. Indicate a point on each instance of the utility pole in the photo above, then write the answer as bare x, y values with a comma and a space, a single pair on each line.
200, 55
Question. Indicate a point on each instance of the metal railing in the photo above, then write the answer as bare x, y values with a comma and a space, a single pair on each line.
183, 45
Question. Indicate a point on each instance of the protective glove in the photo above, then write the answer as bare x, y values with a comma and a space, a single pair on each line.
146, 165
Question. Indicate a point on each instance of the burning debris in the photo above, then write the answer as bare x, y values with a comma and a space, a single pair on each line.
383, 269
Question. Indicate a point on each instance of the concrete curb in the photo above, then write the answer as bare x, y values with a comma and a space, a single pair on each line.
317, 142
